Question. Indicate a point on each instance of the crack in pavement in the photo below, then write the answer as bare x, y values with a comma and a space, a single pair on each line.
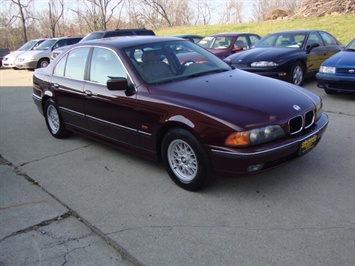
39, 225
55, 155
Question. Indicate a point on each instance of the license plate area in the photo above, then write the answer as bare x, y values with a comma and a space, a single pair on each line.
308, 144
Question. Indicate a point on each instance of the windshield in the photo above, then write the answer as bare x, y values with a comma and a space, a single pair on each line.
287, 39
350, 46
46, 45
173, 60
218, 42
27, 46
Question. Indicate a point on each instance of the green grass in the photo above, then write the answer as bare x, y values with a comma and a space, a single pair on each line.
340, 26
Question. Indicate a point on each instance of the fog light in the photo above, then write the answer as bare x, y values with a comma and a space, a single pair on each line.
255, 167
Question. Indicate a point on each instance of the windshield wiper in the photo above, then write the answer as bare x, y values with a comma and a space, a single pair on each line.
206, 73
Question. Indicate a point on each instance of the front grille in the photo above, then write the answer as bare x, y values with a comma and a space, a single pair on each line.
348, 71
298, 123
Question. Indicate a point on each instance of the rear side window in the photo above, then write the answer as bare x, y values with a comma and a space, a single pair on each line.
75, 67
72, 65
328, 39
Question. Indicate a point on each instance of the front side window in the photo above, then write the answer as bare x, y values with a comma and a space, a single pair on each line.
241, 41
105, 65
314, 38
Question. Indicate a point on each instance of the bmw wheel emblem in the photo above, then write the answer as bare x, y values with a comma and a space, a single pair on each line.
296, 107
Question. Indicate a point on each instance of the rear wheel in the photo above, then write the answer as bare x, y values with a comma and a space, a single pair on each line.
186, 160
296, 75
54, 121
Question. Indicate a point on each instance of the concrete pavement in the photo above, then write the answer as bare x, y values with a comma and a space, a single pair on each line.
299, 214
36, 229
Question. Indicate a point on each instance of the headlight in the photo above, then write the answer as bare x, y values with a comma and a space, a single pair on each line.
327, 69
264, 64
255, 136
32, 58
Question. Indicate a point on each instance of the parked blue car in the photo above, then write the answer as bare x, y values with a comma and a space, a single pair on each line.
337, 73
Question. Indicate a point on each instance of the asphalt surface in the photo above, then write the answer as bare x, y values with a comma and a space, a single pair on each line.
79, 202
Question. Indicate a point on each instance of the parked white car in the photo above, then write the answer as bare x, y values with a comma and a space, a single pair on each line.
9, 60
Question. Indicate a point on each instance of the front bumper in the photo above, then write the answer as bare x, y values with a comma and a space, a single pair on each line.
26, 65
236, 162
345, 83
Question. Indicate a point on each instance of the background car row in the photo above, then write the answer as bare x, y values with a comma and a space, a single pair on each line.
290, 55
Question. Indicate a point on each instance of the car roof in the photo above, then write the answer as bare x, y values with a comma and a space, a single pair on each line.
125, 41
295, 31
65, 37
230, 34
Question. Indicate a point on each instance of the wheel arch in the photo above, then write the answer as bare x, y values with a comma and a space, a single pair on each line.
170, 126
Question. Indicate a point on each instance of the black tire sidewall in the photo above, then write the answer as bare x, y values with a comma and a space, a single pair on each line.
62, 132
290, 78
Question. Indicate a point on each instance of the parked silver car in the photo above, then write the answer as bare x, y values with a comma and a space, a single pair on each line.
10, 59
40, 56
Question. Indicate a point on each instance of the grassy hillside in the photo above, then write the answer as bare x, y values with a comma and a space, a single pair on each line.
341, 26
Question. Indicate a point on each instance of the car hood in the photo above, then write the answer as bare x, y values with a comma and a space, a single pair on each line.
263, 54
243, 100
36, 53
343, 58
14, 54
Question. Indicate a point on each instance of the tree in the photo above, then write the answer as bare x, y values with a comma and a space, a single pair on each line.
97, 13
232, 12
56, 12
203, 12
23, 14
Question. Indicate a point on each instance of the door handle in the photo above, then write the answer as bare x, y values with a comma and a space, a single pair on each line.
88, 93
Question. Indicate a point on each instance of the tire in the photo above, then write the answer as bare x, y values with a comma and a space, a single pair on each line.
296, 75
330, 92
186, 160
43, 63
54, 121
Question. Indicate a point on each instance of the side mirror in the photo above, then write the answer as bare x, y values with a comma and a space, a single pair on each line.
117, 84
120, 84
311, 46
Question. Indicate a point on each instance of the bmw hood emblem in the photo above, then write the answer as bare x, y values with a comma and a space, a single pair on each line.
296, 107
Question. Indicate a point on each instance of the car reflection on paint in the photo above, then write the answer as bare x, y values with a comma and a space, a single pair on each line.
202, 119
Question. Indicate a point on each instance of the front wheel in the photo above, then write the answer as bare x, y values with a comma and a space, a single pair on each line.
296, 75
54, 121
43, 63
186, 161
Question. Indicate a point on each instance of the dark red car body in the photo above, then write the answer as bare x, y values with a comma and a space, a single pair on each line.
137, 115
225, 44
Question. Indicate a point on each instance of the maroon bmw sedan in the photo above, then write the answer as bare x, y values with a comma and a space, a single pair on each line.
202, 119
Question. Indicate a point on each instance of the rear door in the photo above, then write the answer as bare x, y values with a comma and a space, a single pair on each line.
68, 86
